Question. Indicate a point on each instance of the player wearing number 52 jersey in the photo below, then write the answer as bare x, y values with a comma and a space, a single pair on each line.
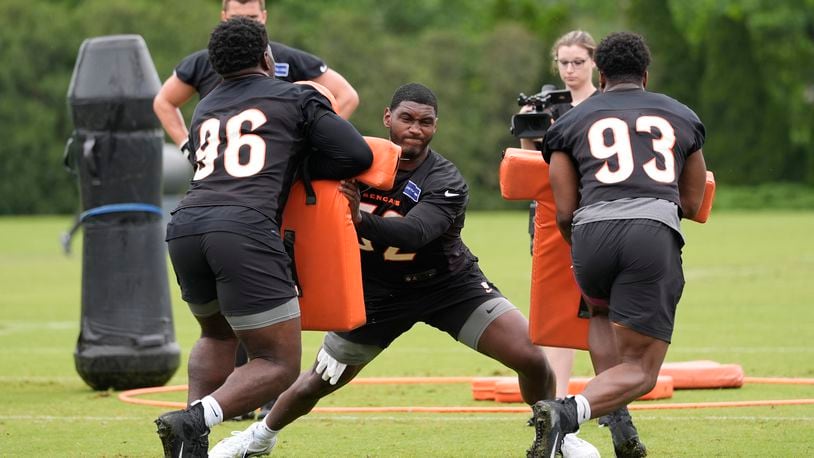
626, 165
415, 268
249, 135
426, 248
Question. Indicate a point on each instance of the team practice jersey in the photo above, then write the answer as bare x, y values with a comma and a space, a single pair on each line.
627, 144
290, 64
415, 240
249, 135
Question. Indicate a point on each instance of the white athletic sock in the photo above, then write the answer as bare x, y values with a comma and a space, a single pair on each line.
264, 433
213, 414
583, 409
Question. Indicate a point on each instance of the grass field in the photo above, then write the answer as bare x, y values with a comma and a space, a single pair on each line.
749, 299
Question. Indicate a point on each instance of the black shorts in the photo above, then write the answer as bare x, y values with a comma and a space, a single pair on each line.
244, 275
635, 266
446, 308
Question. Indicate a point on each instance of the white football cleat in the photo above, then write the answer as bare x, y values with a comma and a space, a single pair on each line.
243, 444
574, 447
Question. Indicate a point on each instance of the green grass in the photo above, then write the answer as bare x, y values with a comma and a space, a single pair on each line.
748, 300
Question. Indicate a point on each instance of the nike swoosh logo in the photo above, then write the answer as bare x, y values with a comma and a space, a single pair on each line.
450, 194
323, 68
491, 309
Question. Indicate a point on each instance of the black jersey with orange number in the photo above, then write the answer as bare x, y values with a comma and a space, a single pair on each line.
410, 236
290, 64
249, 135
626, 144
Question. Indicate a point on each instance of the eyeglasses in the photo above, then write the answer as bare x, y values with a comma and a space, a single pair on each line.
577, 63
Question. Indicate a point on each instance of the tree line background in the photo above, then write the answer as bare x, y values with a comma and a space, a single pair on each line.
745, 66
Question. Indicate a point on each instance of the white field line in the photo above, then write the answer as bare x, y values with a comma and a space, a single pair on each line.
15, 327
686, 349
39, 378
476, 418
412, 417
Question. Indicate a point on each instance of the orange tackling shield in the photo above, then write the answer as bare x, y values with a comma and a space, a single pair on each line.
321, 240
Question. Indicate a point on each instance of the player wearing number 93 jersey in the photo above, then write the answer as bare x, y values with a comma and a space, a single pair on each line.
626, 165
628, 148
627, 143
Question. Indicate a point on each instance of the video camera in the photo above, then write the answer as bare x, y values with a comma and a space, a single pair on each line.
535, 124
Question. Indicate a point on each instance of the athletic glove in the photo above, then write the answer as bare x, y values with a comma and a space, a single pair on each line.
329, 368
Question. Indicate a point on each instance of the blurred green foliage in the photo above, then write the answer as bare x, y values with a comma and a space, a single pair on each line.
745, 66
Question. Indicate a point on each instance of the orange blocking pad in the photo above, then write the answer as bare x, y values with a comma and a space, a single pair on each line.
663, 389
507, 389
555, 296
709, 197
521, 171
483, 388
326, 260
703, 374
382, 173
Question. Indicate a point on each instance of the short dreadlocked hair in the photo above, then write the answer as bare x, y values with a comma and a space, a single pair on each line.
414, 92
237, 44
622, 57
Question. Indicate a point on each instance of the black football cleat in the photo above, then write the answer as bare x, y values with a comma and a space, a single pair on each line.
626, 442
184, 433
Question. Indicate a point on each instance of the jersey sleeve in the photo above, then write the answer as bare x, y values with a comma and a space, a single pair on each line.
555, 140
293, 64
192, 68
339, 150
697, 132
439, 205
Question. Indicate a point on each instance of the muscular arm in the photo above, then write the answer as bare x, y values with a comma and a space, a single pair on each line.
341, 151
166, 105
565, 186
346, 97
691, 184
423, 224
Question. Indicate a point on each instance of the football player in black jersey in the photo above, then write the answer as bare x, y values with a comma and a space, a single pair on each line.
626, 165
195, 74
573, 55
250, 135
415, 268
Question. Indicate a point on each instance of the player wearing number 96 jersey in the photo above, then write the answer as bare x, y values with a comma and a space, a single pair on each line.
626, 165
250, 134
